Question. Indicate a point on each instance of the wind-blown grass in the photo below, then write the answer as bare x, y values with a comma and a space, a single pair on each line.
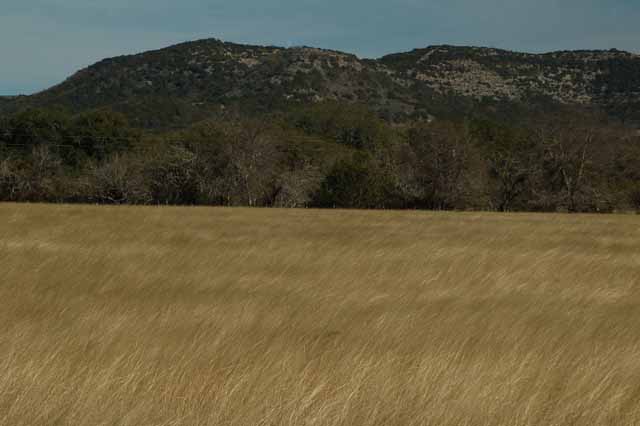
201, 316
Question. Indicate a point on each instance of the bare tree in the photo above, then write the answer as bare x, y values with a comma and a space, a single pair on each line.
172, 175
118, 181
253, 158
441, 154
295, 187
9, 179
38, 179
569, 149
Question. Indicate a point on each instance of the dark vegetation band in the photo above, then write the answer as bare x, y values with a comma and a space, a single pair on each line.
324, 155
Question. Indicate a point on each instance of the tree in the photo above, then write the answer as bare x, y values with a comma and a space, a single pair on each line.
356, 182
253, 156
119, 180
350, 125
34, 127
574, 162
510, 159
634, 198
440, 159
100, 134
9, 179
622, 170
235, 162
211, 167
171, 175
294, 188
39, 176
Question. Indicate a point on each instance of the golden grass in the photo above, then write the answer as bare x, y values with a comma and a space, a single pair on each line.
199, 316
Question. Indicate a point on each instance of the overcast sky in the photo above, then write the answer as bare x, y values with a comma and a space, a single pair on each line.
44, 41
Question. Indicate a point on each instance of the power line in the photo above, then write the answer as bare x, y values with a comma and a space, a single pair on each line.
79, 137
88, 139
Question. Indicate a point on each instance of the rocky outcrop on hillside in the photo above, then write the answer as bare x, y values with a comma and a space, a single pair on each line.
580, 77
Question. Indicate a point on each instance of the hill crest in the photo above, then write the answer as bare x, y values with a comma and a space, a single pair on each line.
185, 82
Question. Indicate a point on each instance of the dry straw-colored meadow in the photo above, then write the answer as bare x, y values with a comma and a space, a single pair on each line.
199, 316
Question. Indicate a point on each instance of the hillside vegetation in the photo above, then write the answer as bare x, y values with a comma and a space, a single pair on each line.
215, 316
181, 84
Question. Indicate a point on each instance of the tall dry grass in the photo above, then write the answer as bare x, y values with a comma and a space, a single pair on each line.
198, 316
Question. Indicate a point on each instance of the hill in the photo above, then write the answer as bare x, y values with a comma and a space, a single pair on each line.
182, 84
7, 99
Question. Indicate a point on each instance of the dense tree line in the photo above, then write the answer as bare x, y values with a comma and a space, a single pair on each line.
324, 155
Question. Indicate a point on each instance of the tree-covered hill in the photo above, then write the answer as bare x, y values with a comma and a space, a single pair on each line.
185, 83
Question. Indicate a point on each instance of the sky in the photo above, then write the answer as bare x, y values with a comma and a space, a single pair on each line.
42, 42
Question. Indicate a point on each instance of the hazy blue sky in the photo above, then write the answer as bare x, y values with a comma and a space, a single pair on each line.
44, 41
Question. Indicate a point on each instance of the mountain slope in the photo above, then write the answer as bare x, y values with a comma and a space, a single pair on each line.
600, 78
184, 83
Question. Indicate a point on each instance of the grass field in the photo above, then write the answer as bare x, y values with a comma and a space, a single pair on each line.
199, 316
